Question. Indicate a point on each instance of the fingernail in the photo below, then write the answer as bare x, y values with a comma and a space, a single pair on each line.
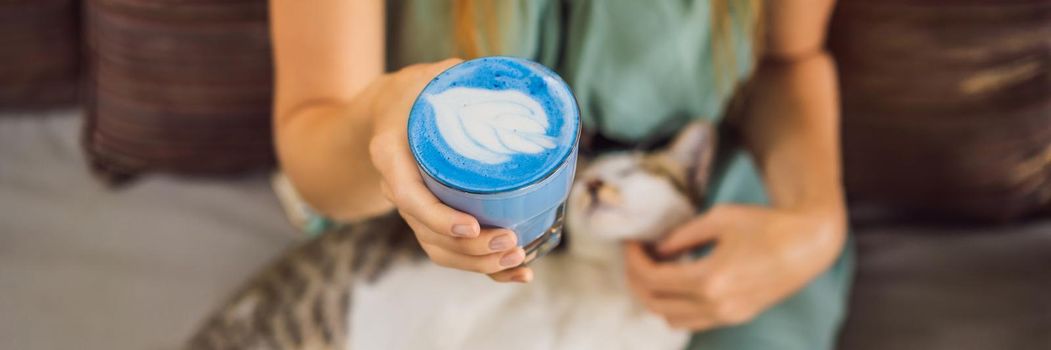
500, 243
512, 259
463, 230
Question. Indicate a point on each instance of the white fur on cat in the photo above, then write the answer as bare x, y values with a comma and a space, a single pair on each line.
577, 300
631, 204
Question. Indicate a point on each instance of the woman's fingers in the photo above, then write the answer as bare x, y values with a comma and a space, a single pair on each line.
486, 264
488, 241
693, 312
404, 187
411, 196
692, 234
693, 323
728, 312
518, 274
676, 307
698, 312
663, 306
679, 311
664, 277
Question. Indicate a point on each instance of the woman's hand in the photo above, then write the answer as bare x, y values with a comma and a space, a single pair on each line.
450, 238
761, 256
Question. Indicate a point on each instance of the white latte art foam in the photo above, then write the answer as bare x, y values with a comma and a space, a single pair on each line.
490, 126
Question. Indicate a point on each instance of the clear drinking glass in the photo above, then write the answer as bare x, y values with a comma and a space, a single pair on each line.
497, 137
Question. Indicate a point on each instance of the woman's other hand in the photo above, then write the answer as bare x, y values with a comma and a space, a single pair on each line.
760, 257
450, 238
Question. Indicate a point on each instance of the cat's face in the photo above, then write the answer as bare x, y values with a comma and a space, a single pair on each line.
619, 197
641, 196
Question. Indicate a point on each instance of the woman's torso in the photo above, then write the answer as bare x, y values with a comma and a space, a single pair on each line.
639, 69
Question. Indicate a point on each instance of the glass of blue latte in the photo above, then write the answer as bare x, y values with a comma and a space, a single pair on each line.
496, 137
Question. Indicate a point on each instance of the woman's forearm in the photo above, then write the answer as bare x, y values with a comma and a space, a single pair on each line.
324, 152
326, 54
793, 130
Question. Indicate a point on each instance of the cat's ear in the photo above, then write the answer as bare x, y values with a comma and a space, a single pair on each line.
693, 150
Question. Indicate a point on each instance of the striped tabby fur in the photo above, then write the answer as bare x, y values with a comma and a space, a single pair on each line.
301, 300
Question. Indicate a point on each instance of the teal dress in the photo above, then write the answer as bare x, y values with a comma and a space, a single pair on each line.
640, 70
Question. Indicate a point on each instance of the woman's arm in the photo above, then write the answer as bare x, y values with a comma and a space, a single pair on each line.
326, 53
764, 254
792, 126
340, 130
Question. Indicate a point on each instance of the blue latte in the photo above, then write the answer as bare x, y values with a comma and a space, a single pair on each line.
496, 137
493, 124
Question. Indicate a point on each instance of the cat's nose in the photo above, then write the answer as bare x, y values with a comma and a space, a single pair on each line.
593, 185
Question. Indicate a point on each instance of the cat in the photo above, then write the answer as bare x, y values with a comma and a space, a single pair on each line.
368, 285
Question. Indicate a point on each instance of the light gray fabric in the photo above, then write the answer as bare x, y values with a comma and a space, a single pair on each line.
85, 267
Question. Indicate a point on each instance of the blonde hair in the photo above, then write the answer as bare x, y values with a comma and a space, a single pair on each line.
470, 43
724, 54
